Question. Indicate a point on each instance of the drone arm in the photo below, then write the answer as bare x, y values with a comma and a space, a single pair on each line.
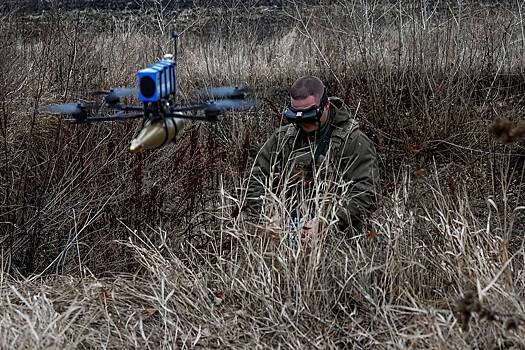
114, 117
126, 108
189, 108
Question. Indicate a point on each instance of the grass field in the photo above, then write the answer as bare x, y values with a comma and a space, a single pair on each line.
105, 249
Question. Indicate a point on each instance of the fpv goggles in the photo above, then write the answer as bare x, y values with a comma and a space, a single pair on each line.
312, 114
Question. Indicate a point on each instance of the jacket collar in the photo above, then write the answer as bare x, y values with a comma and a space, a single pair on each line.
340, 112
342, 115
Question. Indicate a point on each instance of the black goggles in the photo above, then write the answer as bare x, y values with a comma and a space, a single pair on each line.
311, 114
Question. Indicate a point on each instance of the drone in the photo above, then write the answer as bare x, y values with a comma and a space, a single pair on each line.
162, 117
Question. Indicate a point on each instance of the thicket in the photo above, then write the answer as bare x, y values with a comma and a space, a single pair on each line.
104, 248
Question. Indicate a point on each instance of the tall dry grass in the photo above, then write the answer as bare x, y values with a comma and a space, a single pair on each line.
395, 288
104, 249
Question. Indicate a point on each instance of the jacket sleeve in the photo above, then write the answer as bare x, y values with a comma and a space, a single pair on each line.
361, 178
259, 175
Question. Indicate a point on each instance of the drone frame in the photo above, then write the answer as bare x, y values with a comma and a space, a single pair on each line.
165, 107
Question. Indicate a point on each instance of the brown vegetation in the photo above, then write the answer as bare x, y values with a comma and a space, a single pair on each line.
105, 249
506, 132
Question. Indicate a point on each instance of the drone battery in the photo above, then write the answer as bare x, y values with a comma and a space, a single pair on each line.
168, 76
163, 79
171, 78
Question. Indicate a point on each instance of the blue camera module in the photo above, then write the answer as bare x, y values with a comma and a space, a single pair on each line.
157, 82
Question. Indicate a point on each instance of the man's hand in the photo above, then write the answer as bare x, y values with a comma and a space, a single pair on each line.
310, 229
275, 228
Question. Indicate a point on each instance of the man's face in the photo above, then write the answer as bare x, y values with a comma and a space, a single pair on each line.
306, 103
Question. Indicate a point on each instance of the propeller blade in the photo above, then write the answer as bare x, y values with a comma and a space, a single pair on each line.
124, 92
223, 105
114, 95
66, 108
223, 91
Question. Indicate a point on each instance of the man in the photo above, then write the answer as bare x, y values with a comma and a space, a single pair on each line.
321, 152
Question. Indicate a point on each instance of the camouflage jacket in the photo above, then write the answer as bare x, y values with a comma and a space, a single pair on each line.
349, 165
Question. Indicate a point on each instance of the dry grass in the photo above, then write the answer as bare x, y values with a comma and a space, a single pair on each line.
390, 287
104, 249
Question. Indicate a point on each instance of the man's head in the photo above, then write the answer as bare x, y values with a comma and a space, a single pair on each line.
308, 100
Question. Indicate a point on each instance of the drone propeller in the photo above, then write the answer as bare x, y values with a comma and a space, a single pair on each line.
113, 96
234, 92
223, 105
66, 108
219, 105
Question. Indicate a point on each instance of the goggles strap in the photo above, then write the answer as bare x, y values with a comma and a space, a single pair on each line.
322, 146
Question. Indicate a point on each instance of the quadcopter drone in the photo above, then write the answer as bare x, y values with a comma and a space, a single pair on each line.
162, 117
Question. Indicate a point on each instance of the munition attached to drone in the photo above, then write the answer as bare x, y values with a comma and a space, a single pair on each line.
157, 133
162, 117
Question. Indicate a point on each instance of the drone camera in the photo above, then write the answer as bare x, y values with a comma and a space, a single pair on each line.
157, 81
